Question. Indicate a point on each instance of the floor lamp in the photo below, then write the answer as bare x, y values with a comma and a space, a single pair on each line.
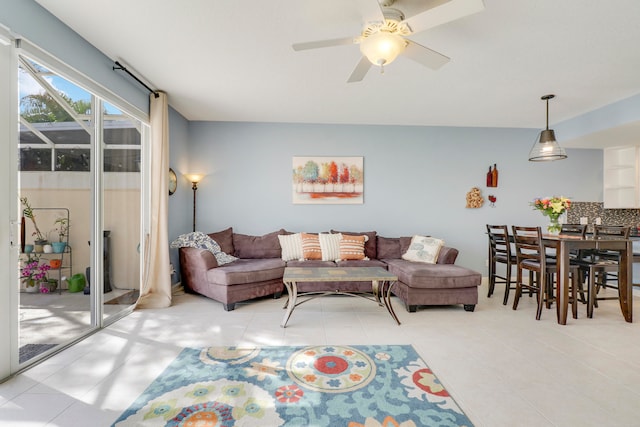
195, 179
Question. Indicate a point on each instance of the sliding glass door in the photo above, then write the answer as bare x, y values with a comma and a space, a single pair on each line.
80, 202
121, 135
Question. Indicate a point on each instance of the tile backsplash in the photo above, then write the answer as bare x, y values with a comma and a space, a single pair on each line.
593, 210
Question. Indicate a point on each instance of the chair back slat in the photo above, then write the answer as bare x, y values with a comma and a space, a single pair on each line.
499, 240
574, 230
611, 231
529, 246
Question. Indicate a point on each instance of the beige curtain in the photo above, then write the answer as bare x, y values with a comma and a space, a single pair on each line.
156, 277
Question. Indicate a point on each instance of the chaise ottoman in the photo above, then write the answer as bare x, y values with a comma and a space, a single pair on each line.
434, 284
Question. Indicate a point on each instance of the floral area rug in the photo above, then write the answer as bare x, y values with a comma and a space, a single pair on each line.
351, 386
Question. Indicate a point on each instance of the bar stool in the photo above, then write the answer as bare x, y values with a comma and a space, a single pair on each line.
500, 253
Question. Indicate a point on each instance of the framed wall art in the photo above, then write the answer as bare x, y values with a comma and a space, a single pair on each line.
328, 180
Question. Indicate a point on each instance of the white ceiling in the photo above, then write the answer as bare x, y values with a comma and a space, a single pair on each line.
225, 60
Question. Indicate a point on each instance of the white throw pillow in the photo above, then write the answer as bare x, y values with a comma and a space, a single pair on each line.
291, 245
330, 246
423, 249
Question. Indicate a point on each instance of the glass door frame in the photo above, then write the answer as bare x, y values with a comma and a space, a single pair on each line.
100, 95
9, 211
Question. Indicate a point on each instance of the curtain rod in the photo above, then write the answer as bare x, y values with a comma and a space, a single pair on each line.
123, 68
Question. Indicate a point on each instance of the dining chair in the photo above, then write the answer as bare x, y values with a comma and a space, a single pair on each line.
500, 253
601, 267
574, 229
531, 256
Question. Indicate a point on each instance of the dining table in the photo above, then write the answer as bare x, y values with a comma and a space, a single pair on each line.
565, 244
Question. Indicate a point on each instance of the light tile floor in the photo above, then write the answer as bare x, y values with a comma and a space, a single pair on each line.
503, 367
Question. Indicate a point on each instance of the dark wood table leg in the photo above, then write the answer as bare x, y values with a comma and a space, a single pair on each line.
625, 282
562, 300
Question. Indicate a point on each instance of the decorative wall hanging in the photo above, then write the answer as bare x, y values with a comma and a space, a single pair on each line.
493, 200
173, 182
492, 176
474, 198
328, 180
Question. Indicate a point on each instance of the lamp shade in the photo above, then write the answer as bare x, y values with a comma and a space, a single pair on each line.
546, 148
194, 177
382, 48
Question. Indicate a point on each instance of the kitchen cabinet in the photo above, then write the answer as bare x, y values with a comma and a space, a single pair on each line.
621, 185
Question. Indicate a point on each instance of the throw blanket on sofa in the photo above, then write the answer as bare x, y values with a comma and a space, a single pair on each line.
199, 240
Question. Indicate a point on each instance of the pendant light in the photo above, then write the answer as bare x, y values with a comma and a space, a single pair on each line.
547, 148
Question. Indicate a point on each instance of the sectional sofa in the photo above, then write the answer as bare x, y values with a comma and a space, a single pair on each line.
259, 269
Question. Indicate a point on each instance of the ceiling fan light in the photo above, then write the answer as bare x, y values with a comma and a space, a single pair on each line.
382, 48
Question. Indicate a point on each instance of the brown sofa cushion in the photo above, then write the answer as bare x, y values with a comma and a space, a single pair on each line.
388, 247
405, 242
194, 264
370, 245
245, 271
447, 255
436, 276
250, 247
224, 238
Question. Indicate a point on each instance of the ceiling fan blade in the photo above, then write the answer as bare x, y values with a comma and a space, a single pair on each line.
447, 12
425, 56
360, 71
370, 10
323, 43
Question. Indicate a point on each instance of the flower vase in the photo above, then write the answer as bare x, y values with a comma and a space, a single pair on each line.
38, 245
554, 226
58, 247
30, 286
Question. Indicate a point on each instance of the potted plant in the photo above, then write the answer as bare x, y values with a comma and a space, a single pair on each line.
32, 272
40, 240
62, 228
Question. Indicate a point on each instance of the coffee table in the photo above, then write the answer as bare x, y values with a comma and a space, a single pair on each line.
381, 283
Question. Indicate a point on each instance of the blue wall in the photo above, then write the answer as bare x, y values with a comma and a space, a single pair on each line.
616, 114
180, 214
416, 179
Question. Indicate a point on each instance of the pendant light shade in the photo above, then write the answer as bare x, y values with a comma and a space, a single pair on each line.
546, 147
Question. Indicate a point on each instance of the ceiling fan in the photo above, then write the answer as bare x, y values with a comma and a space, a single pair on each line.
383, 37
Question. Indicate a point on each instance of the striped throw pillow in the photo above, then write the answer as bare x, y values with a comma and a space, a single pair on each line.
311, 247
291, 245
330, 246
352, 247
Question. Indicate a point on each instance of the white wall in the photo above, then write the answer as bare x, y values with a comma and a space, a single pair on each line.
121, 211
416, 179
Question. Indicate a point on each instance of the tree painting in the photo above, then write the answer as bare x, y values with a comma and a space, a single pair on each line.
328, 180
